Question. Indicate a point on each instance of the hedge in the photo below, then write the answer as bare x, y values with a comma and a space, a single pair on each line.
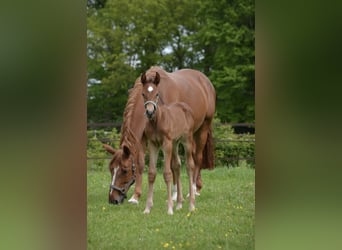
230, 148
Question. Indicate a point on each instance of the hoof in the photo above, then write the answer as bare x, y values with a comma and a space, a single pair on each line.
179, 206
133, 201
147, 211
196, 193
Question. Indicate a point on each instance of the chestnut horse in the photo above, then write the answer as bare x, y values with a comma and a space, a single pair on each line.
167, 126
128, 162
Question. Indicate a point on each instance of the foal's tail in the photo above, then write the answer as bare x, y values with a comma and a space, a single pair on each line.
208, 160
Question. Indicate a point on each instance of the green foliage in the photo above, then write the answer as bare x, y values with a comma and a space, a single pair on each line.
224, 217
227, 37
229, 147
127, 37
96, 139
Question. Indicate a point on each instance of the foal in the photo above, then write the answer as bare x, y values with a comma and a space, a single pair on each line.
167, 126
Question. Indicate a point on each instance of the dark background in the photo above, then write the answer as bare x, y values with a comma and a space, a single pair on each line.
43, 125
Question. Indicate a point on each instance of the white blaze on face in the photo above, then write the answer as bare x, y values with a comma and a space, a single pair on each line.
150, 89
113, 179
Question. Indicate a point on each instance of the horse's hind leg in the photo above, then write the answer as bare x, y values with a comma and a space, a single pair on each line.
153, 151
201, 140
174, 178
190, 166
174, 181
175, 167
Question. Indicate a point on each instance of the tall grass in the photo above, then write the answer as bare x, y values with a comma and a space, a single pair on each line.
223, 219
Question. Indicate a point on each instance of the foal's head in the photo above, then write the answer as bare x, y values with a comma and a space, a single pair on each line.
122, 170
150, 94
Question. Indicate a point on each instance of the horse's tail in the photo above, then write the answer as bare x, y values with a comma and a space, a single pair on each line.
208, 160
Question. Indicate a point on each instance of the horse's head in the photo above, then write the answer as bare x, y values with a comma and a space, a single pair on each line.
150, 93
122, 170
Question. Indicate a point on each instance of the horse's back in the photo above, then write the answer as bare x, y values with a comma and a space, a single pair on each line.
199, 80
191, 87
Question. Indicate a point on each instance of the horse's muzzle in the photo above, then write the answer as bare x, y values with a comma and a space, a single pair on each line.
150, 109
117, 201
149, 114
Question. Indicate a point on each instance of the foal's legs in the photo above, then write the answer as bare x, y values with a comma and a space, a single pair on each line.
167, 150
175, 167
151, 177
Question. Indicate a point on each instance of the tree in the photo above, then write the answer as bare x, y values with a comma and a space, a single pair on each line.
126, 38
226, 36
109, 74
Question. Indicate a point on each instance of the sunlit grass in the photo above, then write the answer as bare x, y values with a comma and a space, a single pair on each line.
223, 219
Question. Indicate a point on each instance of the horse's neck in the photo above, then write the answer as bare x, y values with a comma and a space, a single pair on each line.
160, 113
137, 125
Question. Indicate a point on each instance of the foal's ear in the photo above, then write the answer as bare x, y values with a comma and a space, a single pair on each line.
109, 149
143, 78
126, 151
157, 79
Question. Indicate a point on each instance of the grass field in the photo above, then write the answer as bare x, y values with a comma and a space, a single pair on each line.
223, 219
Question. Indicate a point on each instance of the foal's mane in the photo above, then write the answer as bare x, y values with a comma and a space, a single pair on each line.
127, 136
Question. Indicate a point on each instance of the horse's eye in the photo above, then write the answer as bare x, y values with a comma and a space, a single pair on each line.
157, 95
124, 171
143, 94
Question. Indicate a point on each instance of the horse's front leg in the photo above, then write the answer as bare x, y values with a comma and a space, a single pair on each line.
138, 179
167, 150
153, 150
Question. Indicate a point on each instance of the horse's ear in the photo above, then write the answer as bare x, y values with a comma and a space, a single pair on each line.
143, 78
126, 151
109, 149
157, 79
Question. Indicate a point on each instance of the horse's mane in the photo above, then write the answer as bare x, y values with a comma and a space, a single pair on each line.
127, 136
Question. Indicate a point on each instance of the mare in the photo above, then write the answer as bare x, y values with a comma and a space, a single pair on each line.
167, 126
189, 86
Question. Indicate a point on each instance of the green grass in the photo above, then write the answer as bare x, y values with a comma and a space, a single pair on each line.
223, 219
